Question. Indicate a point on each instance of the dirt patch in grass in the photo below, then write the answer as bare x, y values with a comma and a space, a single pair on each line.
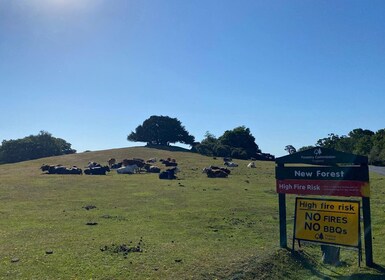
124, 249
233, 221
112, 217
89, 207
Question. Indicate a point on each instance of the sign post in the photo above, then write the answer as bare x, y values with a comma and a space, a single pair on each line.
282, 218
327, 173
367, 231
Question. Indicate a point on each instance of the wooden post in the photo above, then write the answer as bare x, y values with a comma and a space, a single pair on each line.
367, 231
330, 254
282, 220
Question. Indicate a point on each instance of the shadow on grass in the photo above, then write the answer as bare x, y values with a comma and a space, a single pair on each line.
379, 268
168, 148
376, 268
285, 264
376, 272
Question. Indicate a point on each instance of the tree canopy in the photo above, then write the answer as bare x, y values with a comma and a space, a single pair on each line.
236, 143
161, 130
358, 141
33, 147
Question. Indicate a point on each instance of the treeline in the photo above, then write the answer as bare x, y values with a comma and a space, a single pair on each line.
162, 130
358, 141
33, 147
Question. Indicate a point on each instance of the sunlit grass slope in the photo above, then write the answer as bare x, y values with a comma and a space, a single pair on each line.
190, 228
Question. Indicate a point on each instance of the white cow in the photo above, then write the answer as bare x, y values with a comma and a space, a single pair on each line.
128, 169
251, 165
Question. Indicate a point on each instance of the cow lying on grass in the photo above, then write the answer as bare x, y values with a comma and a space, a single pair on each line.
231, 164
151, 160
128, 169
152, 168
135, 161
216, 172
251, 165
99, 170
111, 162
116, 165
169, 162
93, 164
169, 173
60, 169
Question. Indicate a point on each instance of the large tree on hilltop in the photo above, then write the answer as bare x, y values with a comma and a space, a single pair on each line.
161, 130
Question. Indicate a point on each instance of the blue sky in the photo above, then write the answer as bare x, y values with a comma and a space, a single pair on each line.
91, 71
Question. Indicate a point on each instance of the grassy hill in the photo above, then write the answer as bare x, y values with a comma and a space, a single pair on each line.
140, 227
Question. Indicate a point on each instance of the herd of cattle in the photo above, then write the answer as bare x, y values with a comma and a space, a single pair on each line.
137, 165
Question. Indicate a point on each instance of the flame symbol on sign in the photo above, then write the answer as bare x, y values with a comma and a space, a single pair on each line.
319, 236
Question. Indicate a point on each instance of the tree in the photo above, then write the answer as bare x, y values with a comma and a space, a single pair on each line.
362, 140
161, 130
222, 150
377, 153
304, 148
329, 142
290, 149
239, 153
33, 147
359, 141
209, 139
241, 138
236, 143
340, 143
208, 145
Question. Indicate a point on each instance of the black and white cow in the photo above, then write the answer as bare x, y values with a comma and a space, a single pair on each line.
99, 170
60, 169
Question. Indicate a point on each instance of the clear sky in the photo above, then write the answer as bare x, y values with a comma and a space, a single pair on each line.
91, 71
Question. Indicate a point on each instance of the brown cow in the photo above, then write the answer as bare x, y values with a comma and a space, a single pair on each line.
111, 161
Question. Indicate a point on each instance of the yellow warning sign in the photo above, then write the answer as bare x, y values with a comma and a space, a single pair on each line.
327, 221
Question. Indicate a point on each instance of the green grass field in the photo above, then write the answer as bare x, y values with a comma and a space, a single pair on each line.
190, 228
